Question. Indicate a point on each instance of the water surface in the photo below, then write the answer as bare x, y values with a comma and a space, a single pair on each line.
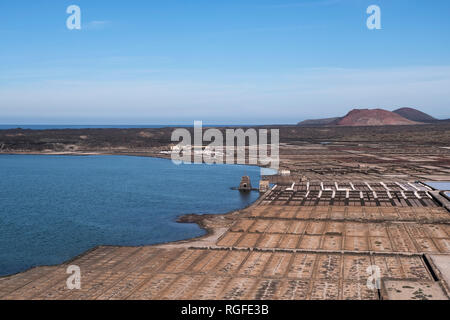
439, 185
126, 126
53, 208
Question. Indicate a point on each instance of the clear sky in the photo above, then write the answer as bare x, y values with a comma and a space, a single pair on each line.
220, 61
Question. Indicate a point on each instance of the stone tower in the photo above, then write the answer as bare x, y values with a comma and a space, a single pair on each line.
245, 184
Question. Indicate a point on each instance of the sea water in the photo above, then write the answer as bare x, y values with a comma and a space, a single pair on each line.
53, 208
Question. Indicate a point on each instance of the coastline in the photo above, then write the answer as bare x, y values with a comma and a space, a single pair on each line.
215, 225
204, 221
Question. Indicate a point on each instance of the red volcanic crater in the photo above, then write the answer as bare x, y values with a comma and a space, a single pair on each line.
373, 117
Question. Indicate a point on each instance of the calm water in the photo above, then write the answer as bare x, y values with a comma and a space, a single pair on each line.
56, 207
59, 126
62, 126
51, 126
439, 185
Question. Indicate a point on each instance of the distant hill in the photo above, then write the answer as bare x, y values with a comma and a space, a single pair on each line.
414, 115
362, 117
373, 117
319, 122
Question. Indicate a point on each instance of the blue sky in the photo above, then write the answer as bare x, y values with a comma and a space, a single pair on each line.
233, 61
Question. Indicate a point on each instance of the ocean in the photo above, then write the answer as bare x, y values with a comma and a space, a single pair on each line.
53, 208
59, 126
439, 185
